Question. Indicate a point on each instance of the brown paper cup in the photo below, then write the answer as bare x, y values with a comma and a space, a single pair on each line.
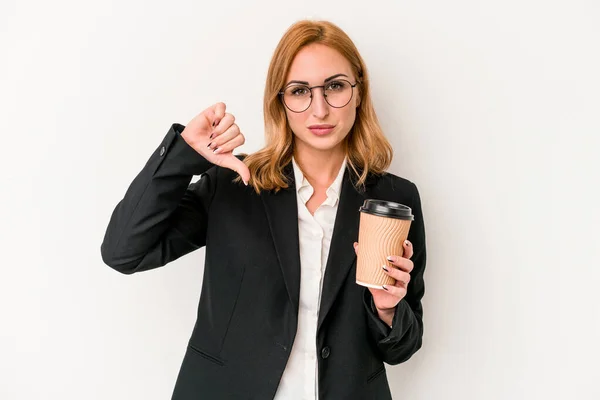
383, 228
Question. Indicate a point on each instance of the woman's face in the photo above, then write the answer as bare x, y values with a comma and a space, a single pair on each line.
321, 126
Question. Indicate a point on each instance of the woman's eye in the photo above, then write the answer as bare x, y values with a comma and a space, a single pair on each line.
300, 91
336, 86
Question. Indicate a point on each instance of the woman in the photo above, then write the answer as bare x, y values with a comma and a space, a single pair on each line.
280, 314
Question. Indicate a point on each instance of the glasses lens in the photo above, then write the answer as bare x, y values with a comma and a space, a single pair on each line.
338, 93
297, 97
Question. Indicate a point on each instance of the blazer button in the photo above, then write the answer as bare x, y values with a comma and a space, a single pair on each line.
325, 352
162, 151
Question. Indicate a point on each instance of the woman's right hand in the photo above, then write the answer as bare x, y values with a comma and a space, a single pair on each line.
214, 135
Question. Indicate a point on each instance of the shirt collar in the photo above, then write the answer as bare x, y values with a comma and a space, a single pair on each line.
305, 190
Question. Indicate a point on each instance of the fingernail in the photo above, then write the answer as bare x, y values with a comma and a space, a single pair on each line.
245, 182
406, 243
211, 135
213, 123
209, 144
384, 287
384, 268
216, 150
389, 258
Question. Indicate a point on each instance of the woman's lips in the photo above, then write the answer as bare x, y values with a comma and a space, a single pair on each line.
321, 130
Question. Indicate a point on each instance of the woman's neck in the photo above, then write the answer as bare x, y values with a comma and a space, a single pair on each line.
320, 167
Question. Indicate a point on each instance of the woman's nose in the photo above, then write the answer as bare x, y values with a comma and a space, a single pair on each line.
320, 108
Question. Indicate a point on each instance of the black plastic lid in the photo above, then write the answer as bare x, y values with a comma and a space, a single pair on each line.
388, 209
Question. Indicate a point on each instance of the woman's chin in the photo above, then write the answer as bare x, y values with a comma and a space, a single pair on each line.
320, 143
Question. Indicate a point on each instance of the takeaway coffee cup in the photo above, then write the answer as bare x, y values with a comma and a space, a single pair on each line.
383, 228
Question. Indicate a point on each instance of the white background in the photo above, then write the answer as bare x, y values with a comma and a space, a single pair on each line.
492, 108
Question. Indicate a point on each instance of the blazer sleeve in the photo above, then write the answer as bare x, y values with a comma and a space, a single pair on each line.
162, 217
399, 342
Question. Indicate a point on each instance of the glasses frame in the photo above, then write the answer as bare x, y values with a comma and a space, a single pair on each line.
352, 86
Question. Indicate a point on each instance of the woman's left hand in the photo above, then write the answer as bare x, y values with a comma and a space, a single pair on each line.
387, 298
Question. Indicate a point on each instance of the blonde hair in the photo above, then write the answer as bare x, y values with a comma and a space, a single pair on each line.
367, 149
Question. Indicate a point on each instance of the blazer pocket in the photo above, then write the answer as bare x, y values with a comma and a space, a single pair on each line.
207, 356
376, 374
218, 301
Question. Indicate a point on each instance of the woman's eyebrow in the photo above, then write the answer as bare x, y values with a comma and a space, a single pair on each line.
335, 76
326, 80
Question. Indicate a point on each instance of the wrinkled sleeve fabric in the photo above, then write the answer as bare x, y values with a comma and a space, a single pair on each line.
161, 217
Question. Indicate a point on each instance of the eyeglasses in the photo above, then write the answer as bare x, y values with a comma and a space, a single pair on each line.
298, 98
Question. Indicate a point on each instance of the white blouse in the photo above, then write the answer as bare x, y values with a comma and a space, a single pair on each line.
300, 377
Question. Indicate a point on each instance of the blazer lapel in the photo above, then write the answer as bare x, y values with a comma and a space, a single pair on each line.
281, 209
282, 214
341, 252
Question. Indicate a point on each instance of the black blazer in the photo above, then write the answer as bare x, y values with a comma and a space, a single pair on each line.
248, 310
